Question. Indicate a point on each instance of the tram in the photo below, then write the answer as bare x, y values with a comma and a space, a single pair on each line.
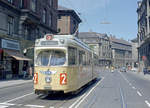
62, 63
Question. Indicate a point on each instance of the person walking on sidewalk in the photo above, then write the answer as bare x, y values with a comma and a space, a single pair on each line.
24, 69
30, 71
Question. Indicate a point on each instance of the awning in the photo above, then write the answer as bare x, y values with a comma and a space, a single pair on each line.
17, 55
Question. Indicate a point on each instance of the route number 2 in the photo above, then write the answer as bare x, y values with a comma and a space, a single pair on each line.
63, 78
35, 78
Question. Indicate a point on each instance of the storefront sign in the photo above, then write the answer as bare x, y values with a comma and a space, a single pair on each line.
8, 44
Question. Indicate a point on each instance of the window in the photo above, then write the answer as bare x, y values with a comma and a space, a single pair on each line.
21, 3
51, 58
10, 1
33, 5
37, 33
50, 2
72, 56
10, 25
50, 20
44, 16
82, 58
59, 16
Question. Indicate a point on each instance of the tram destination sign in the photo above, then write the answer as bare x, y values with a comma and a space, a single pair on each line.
46, 43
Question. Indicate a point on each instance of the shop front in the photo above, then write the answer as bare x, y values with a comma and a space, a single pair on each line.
10, 59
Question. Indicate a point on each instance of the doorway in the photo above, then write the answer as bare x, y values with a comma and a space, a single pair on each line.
15, 68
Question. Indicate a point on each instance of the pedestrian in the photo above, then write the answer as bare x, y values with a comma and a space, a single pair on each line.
24, 69
30, 71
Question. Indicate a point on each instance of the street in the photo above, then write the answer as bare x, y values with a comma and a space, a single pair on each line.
111, 90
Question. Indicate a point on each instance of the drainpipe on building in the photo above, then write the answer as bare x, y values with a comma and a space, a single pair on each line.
148, 17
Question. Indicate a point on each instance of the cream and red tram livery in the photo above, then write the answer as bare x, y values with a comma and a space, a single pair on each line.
62, 63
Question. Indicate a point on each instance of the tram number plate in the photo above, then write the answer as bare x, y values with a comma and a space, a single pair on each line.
35, 78
63, 79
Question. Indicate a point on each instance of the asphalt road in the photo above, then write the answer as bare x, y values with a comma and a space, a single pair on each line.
111, 90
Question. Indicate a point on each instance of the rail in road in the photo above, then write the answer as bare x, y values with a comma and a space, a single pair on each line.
111, 90
60, 99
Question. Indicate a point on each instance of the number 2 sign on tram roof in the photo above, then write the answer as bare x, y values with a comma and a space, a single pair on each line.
49, 37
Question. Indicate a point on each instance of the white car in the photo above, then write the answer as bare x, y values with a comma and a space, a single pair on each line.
112, 71
134, 69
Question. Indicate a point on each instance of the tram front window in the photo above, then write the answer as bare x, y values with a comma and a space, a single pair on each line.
50, 58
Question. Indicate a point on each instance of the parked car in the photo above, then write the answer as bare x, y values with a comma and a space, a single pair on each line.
134, 69
123, 69
146, 70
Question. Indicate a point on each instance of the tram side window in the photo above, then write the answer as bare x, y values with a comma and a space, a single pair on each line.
72, 56
82, 58
89, 59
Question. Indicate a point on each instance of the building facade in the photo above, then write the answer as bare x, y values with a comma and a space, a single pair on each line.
143, 35
21, 22
100, 44
121, 53
134, 43
68, 21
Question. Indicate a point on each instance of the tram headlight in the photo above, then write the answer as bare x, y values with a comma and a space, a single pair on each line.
62, 41
47, 79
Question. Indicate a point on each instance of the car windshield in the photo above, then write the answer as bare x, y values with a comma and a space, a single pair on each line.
50, 58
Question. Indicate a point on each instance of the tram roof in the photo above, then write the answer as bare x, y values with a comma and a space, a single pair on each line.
69, 40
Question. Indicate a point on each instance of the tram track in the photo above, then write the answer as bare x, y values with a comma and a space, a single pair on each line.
67, 100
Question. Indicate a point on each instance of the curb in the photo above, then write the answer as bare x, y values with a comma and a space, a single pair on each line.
15, 84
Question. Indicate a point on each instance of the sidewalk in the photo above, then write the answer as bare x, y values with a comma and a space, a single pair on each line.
9, 83
141, 74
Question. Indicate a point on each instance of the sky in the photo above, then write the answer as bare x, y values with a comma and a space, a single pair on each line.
121, 14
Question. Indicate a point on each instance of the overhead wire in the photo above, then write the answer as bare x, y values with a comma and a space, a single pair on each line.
84, 20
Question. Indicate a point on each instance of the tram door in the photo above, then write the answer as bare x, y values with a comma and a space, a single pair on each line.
15, 67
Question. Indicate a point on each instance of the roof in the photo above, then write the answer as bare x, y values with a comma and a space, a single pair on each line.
64, 10
90, 35
121, 41
55, 41
135, 40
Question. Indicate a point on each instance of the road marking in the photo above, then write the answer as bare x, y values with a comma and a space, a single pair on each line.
18, 98
139, 93
34, 106
125, 78
9, 104
148, 104
81, 99
77, 101
3, 106
122, 99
